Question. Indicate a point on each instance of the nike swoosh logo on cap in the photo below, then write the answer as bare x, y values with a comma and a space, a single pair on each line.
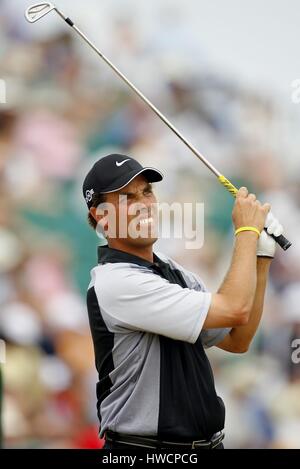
121, 163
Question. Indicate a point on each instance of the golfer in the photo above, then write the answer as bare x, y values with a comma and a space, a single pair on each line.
151, 319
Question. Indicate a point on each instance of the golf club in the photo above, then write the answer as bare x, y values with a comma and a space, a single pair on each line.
39, 10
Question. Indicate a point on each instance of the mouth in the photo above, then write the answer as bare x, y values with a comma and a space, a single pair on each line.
146, 221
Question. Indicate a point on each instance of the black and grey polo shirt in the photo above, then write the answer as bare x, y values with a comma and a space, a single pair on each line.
146, 321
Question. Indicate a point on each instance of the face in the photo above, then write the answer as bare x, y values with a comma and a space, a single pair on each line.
131, 216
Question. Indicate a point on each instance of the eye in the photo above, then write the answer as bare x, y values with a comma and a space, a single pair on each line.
125, 197
148, 191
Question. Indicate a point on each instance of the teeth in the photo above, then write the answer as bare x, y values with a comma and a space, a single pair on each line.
146, 221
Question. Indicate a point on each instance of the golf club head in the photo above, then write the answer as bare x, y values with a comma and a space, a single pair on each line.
37, 11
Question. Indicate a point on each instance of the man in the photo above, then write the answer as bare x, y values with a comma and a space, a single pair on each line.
150, 318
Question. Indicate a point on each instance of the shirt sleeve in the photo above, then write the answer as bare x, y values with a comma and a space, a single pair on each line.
142, 300
209, 337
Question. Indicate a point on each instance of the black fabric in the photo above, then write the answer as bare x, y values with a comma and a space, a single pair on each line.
107, 254
114, 445
189, 406
156, 443
186, 384
103, 341
113, 172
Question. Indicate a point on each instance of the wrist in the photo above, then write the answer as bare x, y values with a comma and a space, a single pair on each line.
264, 262
247, 241
266, 248
247, 235
265, 257
247, 228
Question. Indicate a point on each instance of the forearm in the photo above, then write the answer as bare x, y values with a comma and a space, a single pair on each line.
239, 284
240, 338
232, 303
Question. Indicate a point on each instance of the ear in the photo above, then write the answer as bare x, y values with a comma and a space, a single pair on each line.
100, 219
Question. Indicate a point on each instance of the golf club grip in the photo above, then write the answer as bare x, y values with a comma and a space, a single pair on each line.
284, 243
281, 240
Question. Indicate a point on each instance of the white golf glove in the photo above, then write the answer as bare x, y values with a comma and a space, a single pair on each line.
266, 245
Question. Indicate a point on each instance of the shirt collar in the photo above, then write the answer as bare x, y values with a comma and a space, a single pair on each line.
107, 254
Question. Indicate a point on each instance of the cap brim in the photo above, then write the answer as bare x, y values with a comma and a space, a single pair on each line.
151, 174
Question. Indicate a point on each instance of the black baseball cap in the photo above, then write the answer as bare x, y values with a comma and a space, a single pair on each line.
113, 172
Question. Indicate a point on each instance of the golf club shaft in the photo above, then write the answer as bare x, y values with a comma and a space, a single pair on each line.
146, 100
281, 240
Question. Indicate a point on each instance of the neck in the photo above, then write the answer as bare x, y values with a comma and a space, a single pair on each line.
144, 252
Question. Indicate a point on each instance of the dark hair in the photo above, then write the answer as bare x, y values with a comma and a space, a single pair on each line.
97, 200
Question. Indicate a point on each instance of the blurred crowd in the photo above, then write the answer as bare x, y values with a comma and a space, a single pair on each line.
65, 110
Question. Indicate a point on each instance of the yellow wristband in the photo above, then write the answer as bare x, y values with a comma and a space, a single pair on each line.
247, 228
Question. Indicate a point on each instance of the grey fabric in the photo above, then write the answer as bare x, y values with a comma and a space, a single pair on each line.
172, 311
142, 374
137, 307
209, 337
